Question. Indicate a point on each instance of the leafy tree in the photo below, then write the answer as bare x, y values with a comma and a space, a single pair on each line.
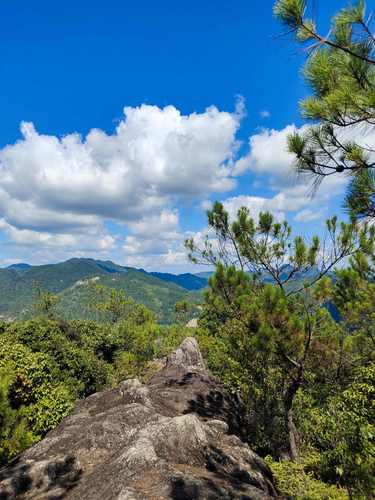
62, 358
182, 309
355, 297
53, 404
46, 364
97, 338
293, 481
29, 369
14, 435
274, 343
31, 400
274, 329
45, 301
112, 302
343, 431
340, 71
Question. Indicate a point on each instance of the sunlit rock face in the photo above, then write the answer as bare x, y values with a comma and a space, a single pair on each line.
178, 437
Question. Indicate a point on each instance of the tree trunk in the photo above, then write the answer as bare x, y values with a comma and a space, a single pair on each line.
289, 417
293, 436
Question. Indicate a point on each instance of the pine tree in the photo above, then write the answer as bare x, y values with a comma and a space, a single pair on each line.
340, 71
282, 319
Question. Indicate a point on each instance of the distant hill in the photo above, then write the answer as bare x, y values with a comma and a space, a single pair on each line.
204, 275
70, 281
186, 280
21, 266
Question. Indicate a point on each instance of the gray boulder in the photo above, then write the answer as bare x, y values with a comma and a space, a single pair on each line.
178, 437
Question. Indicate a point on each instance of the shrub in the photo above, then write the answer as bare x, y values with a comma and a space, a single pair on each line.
294, 482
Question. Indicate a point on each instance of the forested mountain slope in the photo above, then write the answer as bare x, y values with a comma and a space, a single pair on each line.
70, 281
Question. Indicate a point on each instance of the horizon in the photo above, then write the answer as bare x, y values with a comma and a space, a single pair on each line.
208, 95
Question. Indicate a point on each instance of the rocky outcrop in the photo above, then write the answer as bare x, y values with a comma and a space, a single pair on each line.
175, 438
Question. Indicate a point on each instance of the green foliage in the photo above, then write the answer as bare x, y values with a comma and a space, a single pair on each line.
80, 368
182, 310
14, 436
257, 344
265, 249
46, 364
45, 301
29, 369
274, 332
113, 303
273, 342
361, 194
128, 366
266, 345
348, 435
70, 282
340, 70
290, 12
294, 482
32, 402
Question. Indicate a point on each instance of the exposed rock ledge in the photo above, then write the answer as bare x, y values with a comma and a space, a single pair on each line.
174, 438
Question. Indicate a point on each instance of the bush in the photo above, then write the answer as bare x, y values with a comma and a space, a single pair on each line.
295, 483
14, 435
52, 406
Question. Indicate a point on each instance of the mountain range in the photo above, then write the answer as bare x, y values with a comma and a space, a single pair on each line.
70, 280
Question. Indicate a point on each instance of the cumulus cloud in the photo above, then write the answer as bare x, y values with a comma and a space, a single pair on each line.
153, 235
54, 189
58, 195
153, 154
271, 165
255, 204
307, 215
268, 153
270, 162
94, 239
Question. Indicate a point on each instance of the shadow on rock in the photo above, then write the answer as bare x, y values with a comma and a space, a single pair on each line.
49, 479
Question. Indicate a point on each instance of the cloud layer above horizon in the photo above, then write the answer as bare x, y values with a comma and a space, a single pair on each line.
121, 195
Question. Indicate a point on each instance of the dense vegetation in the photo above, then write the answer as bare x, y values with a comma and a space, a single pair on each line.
70, 282
47, 363
306, 377
253, 336
307, 380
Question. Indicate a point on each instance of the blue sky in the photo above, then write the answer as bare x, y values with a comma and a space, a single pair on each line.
211, 91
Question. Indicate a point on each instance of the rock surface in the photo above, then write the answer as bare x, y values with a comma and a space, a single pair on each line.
175, 438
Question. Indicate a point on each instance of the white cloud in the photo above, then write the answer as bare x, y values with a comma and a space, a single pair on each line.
95, 239
53, 190
268, 153
264, 113
269, 160
161, 225
255, 204
307, 215
156, 242
154, 154
57, 195
171, 261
